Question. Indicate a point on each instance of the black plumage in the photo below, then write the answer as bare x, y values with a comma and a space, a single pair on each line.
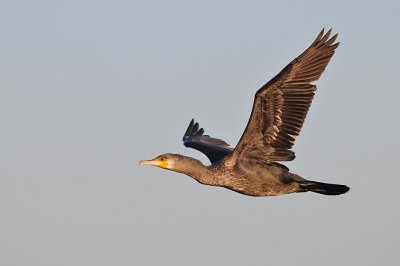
214, 149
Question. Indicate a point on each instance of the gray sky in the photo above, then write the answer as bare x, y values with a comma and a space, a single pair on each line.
88, 88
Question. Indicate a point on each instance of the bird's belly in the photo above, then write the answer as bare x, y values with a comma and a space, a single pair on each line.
260, 183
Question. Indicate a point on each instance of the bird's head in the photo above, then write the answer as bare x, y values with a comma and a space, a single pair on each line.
166, 161
175, 162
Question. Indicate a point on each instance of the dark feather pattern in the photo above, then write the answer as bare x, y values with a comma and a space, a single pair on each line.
279, 110
214, 149
280, 106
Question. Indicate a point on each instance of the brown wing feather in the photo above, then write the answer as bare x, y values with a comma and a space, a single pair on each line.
280, 106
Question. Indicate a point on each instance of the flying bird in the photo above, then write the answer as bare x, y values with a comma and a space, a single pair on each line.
279, 110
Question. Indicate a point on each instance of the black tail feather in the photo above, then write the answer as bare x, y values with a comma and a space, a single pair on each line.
323, 188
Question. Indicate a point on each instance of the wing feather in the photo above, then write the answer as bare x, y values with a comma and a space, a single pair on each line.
281, 106
214, 149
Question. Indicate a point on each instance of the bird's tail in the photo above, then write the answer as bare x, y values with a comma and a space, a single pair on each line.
323, 188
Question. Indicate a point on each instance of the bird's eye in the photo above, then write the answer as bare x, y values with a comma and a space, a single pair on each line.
162, 159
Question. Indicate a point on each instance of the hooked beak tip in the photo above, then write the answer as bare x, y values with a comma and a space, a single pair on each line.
145, 162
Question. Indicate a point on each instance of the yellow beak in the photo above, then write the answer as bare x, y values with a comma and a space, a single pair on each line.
159, 163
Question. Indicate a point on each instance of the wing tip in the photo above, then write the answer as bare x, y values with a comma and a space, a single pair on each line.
193, 130
324, 40
189, 130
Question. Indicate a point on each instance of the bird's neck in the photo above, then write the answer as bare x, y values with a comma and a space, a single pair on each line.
194, 168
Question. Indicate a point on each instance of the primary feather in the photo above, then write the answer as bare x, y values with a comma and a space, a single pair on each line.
280, 106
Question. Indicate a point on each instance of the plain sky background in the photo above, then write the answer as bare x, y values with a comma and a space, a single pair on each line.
89, 88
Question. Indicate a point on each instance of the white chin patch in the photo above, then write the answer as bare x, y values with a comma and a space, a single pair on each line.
170, 164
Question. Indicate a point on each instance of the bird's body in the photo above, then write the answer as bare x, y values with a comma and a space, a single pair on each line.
252, 180
279, 111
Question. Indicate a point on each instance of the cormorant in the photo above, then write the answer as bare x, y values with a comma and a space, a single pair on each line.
279, 110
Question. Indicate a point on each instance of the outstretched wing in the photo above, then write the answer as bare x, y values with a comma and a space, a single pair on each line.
214, 149
280, 106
